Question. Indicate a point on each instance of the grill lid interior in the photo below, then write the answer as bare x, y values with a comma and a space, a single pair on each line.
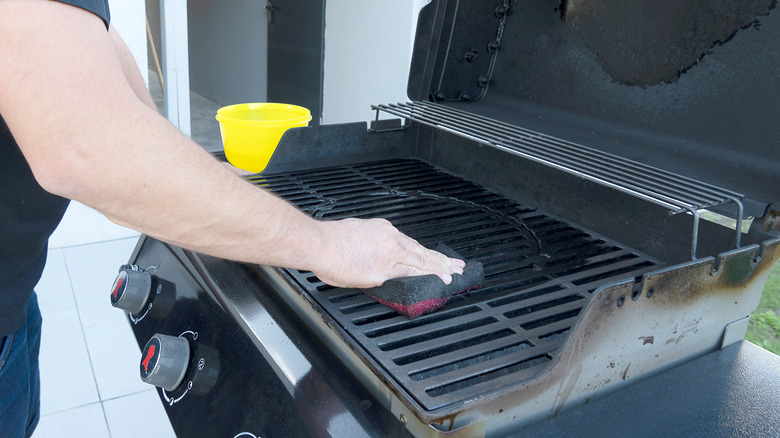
701, 101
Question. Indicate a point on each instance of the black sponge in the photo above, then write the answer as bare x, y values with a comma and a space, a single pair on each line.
415, 296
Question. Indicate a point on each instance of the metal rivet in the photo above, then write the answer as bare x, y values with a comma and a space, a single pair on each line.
403, 419
621, 300
650, 292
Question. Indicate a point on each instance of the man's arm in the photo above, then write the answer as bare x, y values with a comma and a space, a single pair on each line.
129, 67
90, 135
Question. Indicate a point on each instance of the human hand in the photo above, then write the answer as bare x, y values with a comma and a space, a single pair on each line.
365, 253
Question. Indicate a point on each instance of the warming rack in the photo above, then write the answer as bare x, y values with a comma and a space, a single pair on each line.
677, 193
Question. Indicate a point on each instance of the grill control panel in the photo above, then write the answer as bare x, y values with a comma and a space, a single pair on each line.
196, 355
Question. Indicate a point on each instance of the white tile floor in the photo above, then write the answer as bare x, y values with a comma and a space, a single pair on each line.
89, 358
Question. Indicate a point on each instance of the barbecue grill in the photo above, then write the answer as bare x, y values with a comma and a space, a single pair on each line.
579, 180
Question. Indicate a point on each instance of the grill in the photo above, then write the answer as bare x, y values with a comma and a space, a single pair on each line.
578, 150
539, 272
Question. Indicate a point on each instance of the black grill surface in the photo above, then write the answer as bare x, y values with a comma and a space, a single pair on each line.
539, 273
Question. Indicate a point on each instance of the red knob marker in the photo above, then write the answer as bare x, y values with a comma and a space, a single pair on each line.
149, 355
118, 285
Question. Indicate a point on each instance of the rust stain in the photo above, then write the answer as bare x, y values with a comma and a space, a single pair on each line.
449, 418
728, 274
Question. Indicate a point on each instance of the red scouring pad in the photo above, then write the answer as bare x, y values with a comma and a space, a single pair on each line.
415, 296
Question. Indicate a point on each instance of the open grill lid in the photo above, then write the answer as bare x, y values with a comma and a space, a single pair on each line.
687, 86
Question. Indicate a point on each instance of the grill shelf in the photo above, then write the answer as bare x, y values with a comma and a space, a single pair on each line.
674, 192
539, 273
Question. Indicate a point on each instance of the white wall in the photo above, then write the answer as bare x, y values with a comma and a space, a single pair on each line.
368, 47
228, 67
129, 19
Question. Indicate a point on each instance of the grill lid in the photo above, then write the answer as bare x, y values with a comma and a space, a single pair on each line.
687, 86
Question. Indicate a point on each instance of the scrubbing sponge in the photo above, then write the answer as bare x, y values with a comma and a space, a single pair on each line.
415, 296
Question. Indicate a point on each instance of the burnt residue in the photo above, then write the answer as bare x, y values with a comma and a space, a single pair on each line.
647, 340
646, 43
729, 273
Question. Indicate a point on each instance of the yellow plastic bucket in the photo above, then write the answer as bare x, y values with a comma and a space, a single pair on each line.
251, 131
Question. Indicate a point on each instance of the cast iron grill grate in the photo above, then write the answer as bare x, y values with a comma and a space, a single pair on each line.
539, 273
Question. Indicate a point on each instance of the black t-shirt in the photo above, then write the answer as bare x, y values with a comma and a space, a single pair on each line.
28, 215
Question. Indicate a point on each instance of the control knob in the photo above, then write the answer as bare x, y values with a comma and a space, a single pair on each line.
131, 290
165, 360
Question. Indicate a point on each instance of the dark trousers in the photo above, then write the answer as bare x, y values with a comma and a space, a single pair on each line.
20, 388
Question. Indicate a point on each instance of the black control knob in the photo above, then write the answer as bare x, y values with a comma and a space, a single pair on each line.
131, 290
165, 360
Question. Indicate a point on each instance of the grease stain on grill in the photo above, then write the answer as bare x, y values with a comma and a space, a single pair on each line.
414, 323
543, 306
435, 334
540, 271
455, 346
525, 295
554, 336
563, 316
468, 361
647, 43
438, 391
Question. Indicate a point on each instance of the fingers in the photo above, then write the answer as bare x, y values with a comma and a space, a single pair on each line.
423, 261
401, 270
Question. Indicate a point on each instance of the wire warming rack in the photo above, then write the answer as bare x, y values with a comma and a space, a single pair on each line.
677, 193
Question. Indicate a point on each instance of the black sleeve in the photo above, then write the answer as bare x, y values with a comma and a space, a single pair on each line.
97, 7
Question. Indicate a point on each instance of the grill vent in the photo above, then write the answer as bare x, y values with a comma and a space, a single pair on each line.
539, 274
